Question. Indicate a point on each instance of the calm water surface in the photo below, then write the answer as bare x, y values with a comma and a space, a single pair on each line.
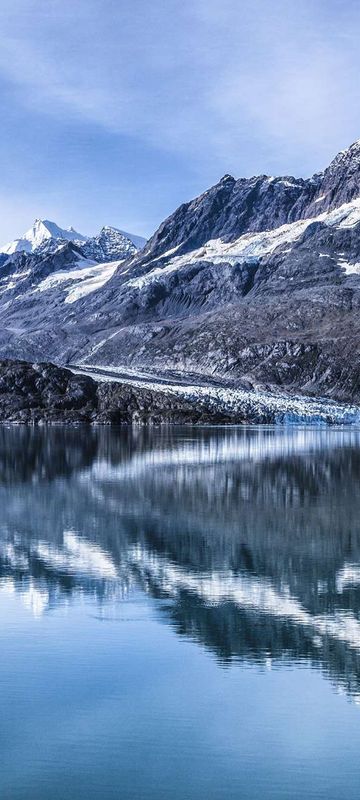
180, 614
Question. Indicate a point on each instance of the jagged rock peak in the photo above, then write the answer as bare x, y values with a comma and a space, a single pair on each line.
339, 183
226, 178
109, 245
349, 158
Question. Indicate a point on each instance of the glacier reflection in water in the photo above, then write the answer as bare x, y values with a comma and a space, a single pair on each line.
223, 553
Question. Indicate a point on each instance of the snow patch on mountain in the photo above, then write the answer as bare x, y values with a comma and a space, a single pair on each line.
7, 284
350, 155
138, 241
79, 282
253, 245
349, 269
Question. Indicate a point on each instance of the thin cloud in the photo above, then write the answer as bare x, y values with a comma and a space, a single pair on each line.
201, 81
236, 86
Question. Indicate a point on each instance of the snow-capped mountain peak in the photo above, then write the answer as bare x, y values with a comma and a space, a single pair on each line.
41, 231
109, 244
45, 229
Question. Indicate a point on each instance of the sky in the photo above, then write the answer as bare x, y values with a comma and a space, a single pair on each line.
115, 112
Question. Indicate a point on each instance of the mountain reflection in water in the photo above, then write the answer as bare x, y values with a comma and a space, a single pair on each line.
250, 537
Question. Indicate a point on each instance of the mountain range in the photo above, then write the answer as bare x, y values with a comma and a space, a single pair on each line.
254, 285
109, 243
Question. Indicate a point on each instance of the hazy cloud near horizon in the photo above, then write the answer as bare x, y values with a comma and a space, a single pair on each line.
115, 113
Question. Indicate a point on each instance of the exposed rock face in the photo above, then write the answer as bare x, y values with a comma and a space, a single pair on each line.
31, 393
28, 269
339, 183
227, 210
109, 245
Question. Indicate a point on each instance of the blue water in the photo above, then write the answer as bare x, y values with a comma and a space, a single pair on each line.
180, 614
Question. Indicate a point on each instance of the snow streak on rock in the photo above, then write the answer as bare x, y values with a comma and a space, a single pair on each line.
78, 283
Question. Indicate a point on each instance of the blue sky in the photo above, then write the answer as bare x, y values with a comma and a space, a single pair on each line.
116, 112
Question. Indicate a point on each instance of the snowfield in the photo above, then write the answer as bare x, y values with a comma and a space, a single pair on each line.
252, 245
78, 283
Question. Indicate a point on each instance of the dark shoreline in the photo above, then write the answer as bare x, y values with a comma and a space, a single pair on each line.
45, 394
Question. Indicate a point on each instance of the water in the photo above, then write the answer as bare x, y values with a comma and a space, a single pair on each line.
179, 614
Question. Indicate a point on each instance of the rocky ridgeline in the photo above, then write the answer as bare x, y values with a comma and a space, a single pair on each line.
233, 206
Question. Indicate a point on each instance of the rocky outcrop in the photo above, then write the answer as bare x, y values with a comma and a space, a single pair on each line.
44, 393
